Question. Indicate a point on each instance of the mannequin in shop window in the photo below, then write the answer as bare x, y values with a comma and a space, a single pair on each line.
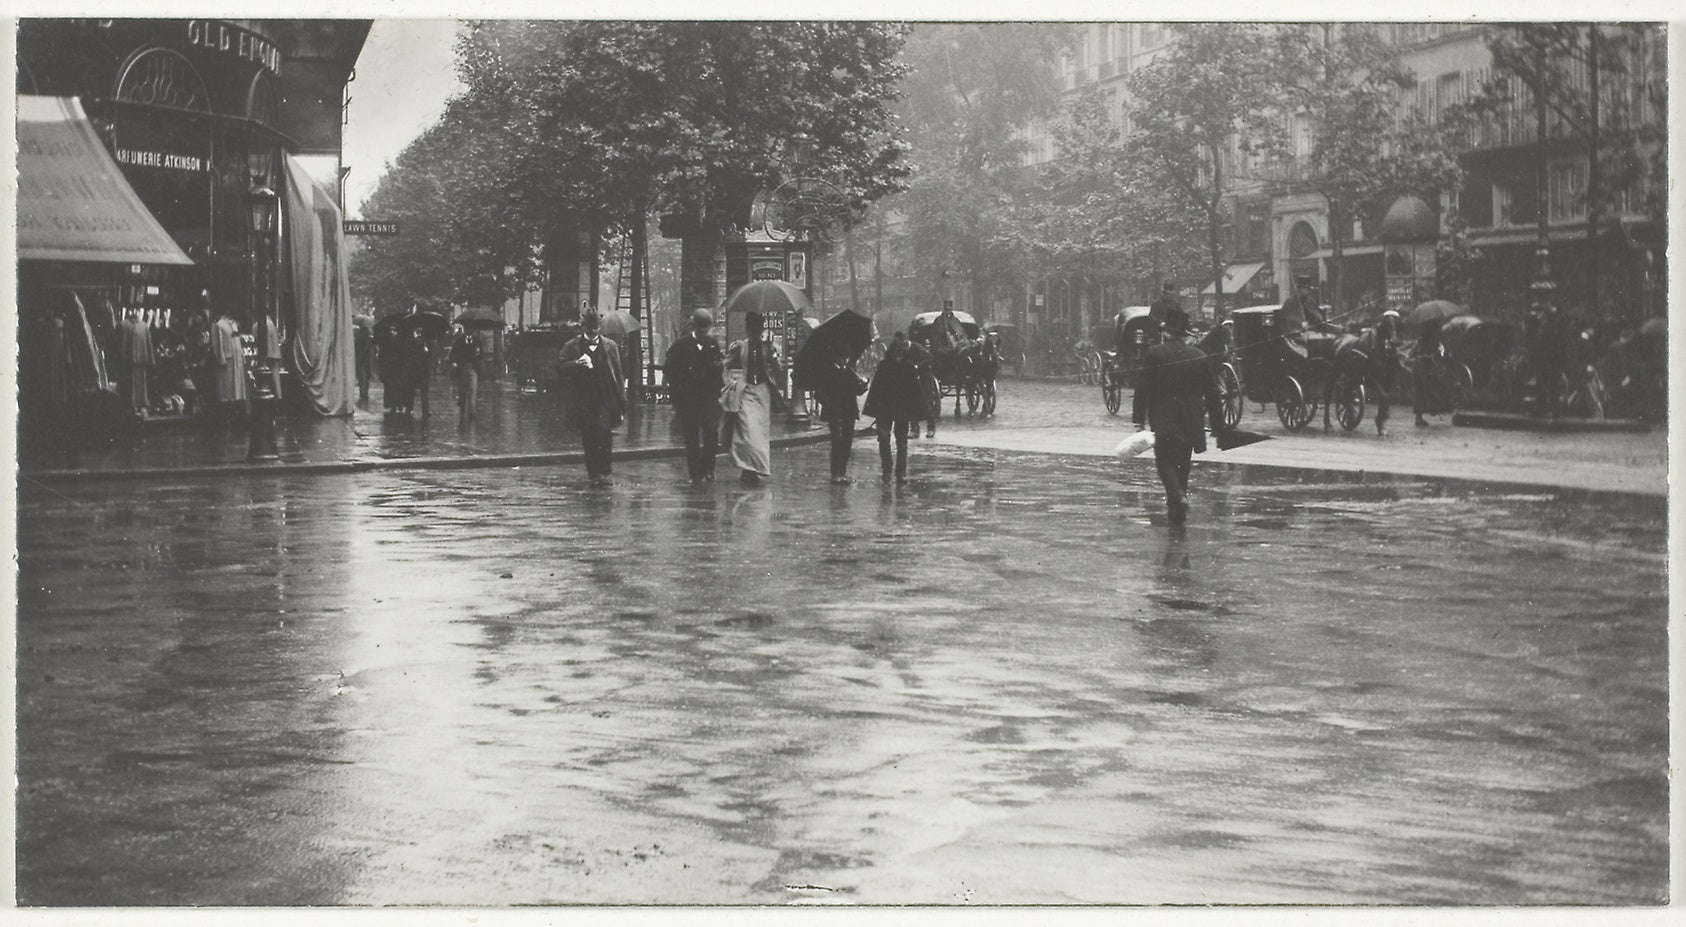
136, 350
227, 363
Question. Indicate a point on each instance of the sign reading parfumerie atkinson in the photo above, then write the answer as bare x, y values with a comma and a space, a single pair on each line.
371, 227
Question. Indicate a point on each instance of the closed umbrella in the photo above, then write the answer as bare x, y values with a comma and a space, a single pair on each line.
850, 329
1231, 438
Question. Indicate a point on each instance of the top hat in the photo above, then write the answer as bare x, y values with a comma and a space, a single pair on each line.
1170, 288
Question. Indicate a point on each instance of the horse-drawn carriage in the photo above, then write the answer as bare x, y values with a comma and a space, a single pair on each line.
1136, 333
964, 363
1297, 371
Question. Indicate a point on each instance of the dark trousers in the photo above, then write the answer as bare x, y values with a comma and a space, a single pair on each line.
842, 442
599, 445
699, 420
884, 430
1173, 457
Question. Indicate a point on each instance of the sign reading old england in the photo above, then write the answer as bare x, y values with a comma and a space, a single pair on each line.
233, 40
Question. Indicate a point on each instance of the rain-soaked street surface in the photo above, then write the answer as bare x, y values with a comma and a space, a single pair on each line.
1007, 682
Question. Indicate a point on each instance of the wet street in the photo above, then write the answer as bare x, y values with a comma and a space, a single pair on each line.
1007, 682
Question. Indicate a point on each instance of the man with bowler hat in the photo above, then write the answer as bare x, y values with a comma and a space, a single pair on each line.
694, 368
1174, 387
598, 404
1163, 306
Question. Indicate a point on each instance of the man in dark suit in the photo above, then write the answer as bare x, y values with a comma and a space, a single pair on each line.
1162, 307
693, 367
1175, 387
598, 404
838, 388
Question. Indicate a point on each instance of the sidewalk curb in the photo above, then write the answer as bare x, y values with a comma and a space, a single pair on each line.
461, 462
1511, 421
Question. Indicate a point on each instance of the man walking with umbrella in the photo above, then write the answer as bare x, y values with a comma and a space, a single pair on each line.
598, 404
838, 388
694, 367
1175, 385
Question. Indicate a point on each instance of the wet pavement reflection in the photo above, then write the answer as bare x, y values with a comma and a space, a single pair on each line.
1007, 682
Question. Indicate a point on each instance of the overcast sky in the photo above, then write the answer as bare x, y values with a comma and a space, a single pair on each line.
404, 75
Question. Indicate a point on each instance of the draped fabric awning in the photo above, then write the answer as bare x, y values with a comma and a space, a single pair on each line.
320, 321
73, 202
1235, 277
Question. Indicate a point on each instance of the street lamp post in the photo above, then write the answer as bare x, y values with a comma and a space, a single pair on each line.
262, 205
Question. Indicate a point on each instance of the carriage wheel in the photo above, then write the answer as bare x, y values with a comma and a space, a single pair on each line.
1111, 392
1291, 406
1229, 391
1463, 385
1349, 401
989, 397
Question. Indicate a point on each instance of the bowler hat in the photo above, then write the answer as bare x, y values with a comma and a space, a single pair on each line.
702, 318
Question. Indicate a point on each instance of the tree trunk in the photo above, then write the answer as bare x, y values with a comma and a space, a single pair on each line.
1216, 250
1542, 192
878, 267
1594, 193
854, 284
635, 376
1337, 245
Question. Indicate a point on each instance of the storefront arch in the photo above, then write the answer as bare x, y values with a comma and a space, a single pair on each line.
160, 76
263, 101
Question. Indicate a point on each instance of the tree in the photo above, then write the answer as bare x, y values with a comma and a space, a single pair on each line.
1570, 70
598, 124
1190, 105
971, 87
1095, 205
1343, 82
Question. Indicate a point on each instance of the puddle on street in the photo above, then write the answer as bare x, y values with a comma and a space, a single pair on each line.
494, 687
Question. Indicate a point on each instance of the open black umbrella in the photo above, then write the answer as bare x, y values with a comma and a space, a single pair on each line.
480, 317
431, 324
850, 329
1433, 310
768, 297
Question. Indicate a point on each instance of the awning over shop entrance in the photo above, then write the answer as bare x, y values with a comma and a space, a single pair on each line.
73, 203
1235, 277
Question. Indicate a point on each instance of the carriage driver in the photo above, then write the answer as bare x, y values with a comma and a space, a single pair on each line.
1300, 313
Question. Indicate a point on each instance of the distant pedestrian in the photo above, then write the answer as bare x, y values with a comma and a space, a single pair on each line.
597, 404
1384, 360
695, 371
838, 389
465, 361
1174, 390
896, 399
924, 367
363, 344
754, 370
1428, 374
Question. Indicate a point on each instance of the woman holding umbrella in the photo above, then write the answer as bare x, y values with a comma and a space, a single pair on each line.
753, 371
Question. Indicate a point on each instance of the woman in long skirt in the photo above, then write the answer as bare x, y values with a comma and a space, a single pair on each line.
752, 363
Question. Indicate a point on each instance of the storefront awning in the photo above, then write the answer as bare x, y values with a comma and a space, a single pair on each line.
1346, 252
73, 202
1235, 277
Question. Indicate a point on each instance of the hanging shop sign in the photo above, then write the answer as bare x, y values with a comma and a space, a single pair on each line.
371, 226
162, 159
229, 39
